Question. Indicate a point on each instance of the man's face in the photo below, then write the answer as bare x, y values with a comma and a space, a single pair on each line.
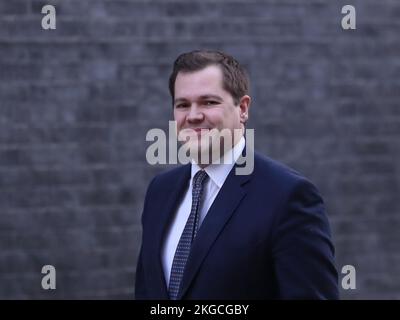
202, 103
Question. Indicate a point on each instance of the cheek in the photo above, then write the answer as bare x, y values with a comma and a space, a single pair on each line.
228, 118
179, 118
234, 115
215, 117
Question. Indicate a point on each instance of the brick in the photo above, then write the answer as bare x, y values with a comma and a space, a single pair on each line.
18, 7
77, 102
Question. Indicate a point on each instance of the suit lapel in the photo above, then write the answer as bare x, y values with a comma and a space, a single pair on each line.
166, 209
227, 200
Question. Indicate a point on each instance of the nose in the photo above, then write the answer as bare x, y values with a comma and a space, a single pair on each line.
195, 115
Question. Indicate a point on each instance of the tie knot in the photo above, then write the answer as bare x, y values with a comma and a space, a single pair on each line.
199, 178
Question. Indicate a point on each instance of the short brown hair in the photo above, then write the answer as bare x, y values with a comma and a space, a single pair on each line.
234, 77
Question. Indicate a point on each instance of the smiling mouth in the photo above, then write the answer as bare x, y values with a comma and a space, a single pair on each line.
200, 129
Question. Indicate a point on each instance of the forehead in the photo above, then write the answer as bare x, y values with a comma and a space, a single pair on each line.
205, 81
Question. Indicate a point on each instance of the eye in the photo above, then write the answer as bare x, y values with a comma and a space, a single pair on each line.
211, 102
181, 105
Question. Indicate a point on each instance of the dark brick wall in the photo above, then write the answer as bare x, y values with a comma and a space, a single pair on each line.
76, 103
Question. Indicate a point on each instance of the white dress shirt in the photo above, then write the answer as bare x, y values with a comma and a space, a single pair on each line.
217, 175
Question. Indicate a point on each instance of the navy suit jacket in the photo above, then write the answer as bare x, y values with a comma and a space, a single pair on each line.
266, 236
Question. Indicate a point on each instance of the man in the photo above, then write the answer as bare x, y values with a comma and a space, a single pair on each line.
209, 233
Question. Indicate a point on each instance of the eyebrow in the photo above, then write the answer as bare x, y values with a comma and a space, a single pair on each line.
203, 97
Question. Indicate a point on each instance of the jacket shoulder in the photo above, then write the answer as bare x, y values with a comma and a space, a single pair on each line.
275, 171
168, 177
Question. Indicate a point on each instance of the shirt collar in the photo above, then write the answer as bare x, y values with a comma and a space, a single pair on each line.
219, 172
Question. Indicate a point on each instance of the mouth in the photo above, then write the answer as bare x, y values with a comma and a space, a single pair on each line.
200, 129
197, 130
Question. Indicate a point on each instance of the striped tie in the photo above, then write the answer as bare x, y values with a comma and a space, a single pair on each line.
187, 237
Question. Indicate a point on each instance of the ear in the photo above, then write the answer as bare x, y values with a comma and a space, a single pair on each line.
244, 106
